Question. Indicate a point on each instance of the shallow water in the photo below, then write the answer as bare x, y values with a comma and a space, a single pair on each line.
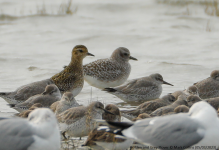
36, 38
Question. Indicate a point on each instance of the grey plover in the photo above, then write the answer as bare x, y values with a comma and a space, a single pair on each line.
26, 113
47, 98
181, 109
192, 99
39, 132
116, 113
79, 121
170, 108
71, 79
67, 101
148, 107
141, 89
142, 116
100, 140
209, 88
109, 72
200, 127
191, 90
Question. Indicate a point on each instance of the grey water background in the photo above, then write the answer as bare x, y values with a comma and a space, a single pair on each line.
179, 41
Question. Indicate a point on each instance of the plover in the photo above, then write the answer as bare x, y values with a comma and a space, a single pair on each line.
79, 121
26, 113
70, 79
198, 128
100, 140
65, 103
142, 116
47, 98
148, 107
170, 108
192, 99
191, 90
109, 72
39, 132
141, 89
209, 88
116, 113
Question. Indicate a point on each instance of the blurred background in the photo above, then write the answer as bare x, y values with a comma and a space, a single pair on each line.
176, 38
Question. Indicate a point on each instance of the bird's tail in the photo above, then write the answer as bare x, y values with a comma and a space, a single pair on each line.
111, 90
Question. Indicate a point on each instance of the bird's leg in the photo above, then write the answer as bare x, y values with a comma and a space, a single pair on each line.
63, 134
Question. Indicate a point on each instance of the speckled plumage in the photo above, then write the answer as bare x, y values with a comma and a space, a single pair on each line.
148, 107
141, 89
79, 121
109, 72
70, 79
170, 108
49, 96
113, 109
67, 101
209, 88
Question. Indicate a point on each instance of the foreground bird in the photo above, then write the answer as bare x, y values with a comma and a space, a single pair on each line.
47, 98
199, 127
71, 79
109, 72
116, 116
209, 88
67, 101
39, 132
148, 107
79, 121
141, 89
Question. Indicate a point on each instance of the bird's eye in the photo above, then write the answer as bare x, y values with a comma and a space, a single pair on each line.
51, 92
125, 54
80, 51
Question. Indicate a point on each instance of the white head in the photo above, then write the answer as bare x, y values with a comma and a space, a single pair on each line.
52, 90
203, 112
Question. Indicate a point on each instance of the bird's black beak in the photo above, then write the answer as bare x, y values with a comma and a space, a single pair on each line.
107, 111
133, 58
89, 54
164, 82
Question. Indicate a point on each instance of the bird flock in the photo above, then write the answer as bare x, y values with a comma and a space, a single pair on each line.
49, 112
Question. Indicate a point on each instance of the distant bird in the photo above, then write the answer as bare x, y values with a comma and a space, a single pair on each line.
26, 113
170, 108
67, 101
192, 100
71, 79
199, 127
181, 109
142, 116
100, 140
141, 89
148, 107
47, 98
109, 72
79, 121
191, 90
39, 132
209, 88
116, 116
